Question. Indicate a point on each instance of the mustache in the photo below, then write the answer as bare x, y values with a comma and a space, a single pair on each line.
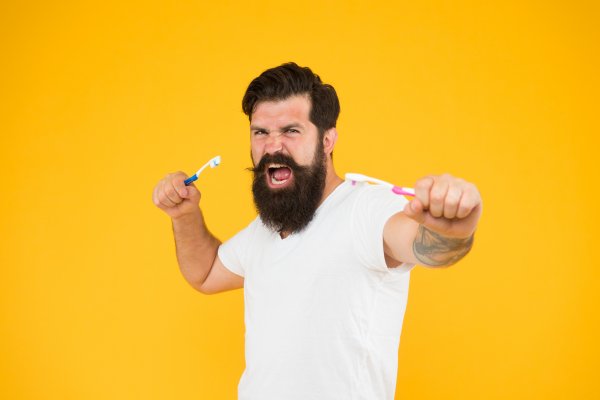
276, 158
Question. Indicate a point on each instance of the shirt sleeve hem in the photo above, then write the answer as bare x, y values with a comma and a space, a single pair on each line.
227, 263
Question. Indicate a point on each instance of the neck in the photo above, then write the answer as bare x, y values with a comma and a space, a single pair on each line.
332, 181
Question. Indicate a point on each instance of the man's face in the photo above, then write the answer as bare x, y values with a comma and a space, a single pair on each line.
283, 127
289, 163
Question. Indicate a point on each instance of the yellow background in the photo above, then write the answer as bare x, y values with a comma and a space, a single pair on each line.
99, 100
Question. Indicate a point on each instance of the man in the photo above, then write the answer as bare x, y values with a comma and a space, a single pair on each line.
325, 266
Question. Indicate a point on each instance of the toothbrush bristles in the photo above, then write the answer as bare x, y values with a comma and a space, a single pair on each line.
215, 161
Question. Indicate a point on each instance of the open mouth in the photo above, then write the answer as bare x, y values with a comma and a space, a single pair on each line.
278, 175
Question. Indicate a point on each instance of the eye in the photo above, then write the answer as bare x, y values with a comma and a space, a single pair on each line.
293, 130
260, 132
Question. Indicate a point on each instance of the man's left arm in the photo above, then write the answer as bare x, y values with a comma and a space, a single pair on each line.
437, 226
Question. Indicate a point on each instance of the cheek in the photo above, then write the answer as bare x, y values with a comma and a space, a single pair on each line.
308, 153
301, 150
255, 151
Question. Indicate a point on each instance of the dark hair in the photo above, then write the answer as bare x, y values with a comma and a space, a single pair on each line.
288, 80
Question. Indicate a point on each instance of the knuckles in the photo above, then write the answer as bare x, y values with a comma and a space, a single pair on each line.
423, 184
448, 196
437, 197
170, 191
451, 202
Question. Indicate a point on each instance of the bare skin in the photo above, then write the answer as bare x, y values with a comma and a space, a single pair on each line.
440, 220
435, 229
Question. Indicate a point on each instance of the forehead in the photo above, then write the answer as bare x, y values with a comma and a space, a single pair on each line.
295, 108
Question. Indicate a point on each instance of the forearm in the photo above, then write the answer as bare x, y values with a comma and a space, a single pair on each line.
196, 247
433, 249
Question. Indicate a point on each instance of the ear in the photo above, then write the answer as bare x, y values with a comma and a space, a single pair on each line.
329, 139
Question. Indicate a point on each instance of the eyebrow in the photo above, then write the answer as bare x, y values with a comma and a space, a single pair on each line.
283, 128
293, 125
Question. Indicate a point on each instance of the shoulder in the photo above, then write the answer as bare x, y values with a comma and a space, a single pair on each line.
247, 232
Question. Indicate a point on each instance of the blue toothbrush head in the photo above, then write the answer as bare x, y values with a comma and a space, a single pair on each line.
215, 161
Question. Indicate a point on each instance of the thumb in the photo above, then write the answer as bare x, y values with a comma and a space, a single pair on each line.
191, 192
414, 210
183, 192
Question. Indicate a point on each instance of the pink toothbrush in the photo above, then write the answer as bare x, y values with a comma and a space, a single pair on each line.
363, 178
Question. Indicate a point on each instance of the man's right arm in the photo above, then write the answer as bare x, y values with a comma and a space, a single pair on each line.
196, 246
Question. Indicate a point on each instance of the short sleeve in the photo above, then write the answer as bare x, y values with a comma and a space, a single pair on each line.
233, 252
374, 206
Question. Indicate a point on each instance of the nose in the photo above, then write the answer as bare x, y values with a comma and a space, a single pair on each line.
274, 143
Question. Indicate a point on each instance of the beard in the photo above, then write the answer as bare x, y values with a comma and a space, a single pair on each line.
289, 209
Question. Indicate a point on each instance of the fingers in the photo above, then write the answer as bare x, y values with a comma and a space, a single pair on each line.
445, 196
469, 201
437, 197
170, 191
423, 189
453, 196
414, 210
180, 188
159, 198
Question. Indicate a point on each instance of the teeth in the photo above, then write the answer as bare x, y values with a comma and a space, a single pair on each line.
276, 165
275, 181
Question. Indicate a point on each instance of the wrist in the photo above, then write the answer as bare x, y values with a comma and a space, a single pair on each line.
188, 217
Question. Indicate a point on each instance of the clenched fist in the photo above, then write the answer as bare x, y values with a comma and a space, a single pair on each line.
175, 198
447, 205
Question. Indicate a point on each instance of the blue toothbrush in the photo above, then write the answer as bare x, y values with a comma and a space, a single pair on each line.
213, 162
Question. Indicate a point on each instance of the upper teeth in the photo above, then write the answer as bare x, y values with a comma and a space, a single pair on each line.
274, 180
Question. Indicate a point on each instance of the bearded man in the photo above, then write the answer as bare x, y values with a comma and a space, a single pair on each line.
325, 266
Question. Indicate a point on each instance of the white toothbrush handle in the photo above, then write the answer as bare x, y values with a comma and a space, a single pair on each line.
363, 178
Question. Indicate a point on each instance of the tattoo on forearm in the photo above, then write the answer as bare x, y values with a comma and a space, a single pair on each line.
434, 249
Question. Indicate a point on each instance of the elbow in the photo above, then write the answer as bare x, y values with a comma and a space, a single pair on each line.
198, 285
202, 288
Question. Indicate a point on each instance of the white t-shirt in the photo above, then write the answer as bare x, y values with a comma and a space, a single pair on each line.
323, 312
